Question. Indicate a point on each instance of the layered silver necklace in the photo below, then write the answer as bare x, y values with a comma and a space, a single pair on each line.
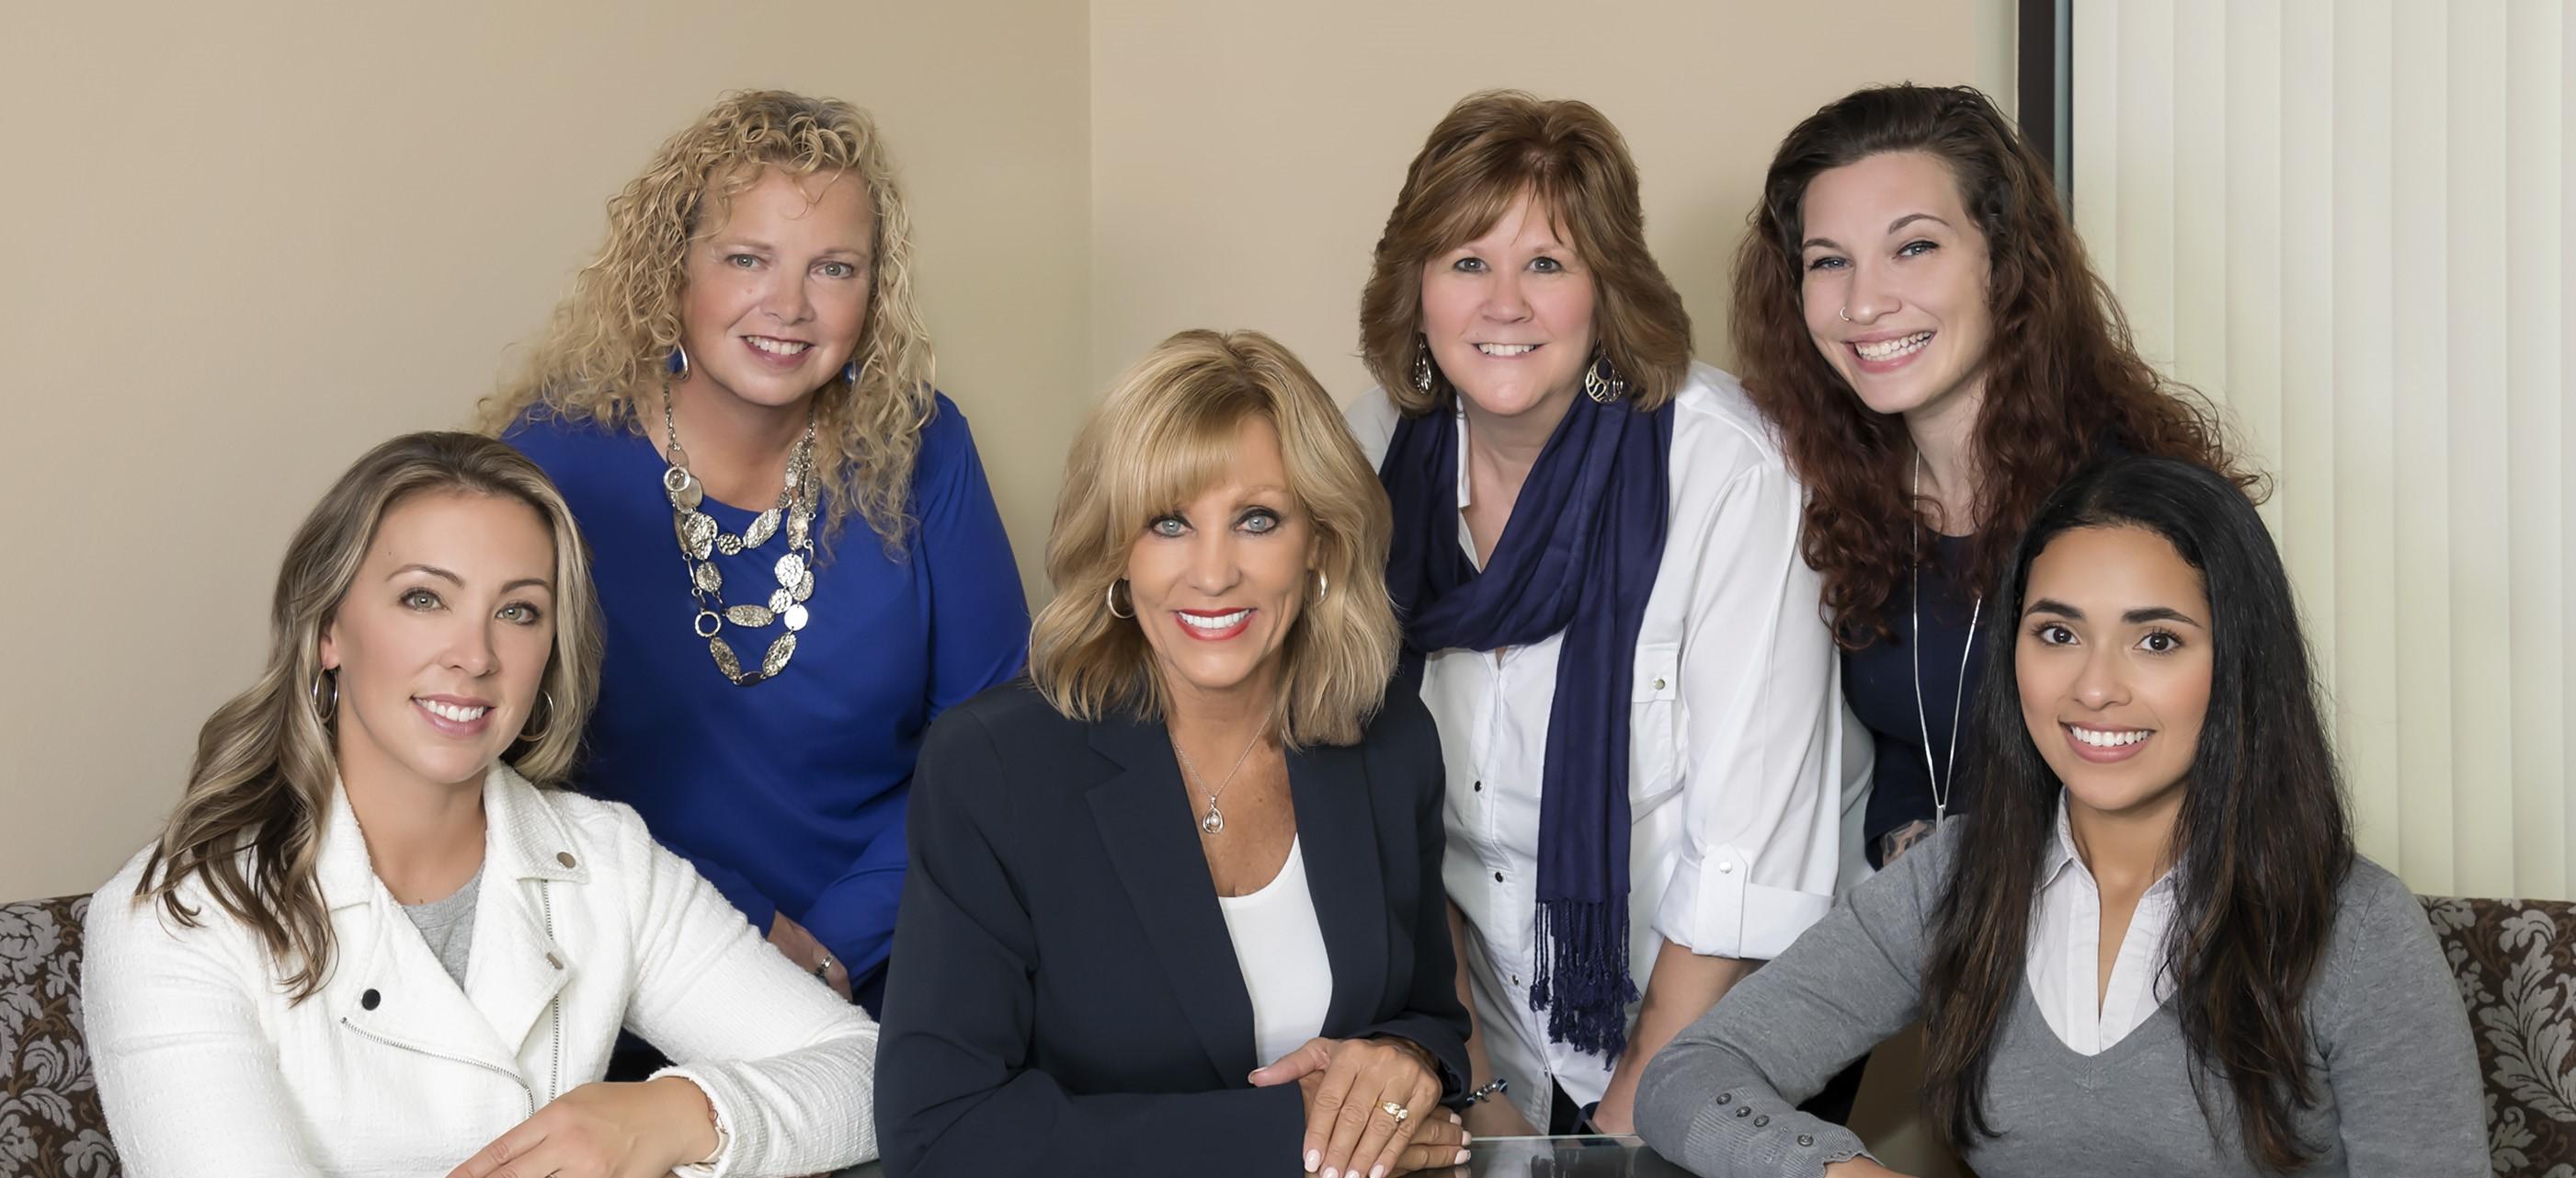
700, 540
1942, 782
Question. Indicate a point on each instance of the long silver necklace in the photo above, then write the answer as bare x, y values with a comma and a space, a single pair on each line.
1213, 821
1914, 645
700, 539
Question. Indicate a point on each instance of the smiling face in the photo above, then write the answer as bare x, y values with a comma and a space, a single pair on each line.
2114, 664
441, 643
1895, 288
777, 295
1218, 581
1509, 316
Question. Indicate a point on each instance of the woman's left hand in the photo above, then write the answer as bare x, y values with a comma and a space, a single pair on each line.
605, 1131
1347, 1084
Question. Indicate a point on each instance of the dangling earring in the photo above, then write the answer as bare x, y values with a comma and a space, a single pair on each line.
1422, 366
678, 364
1112, 597
539, 734
850, 372
331, 707
1323, 586
1602, 381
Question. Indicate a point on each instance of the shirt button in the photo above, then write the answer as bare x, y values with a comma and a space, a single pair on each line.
1479, 787
1659, 685
1498, 877
1726, 867
1516, 979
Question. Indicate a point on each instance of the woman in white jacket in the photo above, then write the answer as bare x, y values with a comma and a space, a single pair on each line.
367, 944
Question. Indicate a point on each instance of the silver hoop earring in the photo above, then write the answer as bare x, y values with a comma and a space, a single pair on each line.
850, 372
331, 707
1323, 586
1422, 366
1111, 596
1845, 312
678, 364
1602, 381
540, 734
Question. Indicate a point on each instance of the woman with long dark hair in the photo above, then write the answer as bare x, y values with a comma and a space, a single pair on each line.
2153, 949
1914, 311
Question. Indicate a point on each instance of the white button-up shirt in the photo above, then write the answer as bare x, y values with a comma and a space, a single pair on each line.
1743, 761
2066, 945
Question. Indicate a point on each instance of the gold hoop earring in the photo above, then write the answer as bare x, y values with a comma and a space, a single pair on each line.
1111, 596
539, 734
326, 709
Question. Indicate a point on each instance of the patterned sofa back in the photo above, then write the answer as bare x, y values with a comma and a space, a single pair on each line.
50, 1123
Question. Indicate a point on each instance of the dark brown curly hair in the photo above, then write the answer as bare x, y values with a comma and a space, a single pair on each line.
2062, 376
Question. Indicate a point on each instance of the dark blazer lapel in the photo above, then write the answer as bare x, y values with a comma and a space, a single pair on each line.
1337, 829
1144, 820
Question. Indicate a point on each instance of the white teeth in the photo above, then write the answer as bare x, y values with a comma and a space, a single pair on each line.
776, 347
1891, 349
460, 715
1507, 349
2108, 740
1220, 622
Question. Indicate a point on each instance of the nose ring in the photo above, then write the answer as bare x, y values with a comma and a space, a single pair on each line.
1845, 312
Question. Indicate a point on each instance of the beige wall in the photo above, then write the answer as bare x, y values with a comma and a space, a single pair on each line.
245, 241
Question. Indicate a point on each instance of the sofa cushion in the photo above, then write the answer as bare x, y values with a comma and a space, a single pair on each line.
50, 1123
2515, 961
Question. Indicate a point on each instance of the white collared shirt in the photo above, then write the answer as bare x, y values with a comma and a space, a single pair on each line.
1744, 763
2065, 952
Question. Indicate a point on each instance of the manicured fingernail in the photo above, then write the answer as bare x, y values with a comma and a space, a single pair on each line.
1465, 1137
1377, 1172
1313, 1159
1332, 1172
1462, 1158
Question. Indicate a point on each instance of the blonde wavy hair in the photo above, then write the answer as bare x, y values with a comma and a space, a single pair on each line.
611, 337
1165, 432
250, 825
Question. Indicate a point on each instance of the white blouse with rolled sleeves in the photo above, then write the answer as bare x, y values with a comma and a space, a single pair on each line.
1747, 774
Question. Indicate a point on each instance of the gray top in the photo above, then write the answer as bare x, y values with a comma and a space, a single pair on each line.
448, 926
2389, 1037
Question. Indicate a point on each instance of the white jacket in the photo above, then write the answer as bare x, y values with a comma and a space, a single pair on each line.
582, 924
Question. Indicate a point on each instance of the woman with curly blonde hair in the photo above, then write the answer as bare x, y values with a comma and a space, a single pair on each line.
743, 368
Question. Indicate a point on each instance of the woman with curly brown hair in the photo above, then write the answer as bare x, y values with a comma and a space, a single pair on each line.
1595, 558
1914, 311
743, 367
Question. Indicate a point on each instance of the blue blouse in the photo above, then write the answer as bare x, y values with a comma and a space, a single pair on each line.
789, 794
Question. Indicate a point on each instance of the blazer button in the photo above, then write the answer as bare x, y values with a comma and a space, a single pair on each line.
564, 857
370, 999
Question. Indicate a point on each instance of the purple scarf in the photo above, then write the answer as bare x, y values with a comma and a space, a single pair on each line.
1579, 558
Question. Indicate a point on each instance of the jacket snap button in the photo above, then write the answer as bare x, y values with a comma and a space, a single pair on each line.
554, 961
564, 857
1659, 685
369, 999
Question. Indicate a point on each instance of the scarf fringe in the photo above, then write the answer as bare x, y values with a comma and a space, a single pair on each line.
1582, 974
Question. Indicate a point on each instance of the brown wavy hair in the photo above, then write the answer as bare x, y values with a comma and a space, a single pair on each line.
2062, 375
604, 351
1166, 431
249, 828
1490, 148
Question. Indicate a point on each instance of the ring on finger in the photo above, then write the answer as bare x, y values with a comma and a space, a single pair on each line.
1397, 1111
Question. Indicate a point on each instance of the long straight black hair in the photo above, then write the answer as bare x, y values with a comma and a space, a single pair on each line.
2263, 836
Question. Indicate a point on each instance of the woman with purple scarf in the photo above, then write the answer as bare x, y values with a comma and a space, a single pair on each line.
1596, 566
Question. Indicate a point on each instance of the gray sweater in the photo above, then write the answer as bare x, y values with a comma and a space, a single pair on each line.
2389, 1037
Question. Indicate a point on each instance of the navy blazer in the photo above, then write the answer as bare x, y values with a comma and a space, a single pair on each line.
1064, 997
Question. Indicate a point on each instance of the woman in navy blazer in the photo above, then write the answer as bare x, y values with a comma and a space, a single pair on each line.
1126, 948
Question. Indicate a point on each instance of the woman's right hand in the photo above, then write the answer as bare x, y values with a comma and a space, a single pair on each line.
800, 947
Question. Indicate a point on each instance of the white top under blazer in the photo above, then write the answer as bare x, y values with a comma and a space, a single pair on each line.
1747, 773
1279, 944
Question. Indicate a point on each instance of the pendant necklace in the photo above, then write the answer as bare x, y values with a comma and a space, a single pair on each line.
1941, 788
1213, 822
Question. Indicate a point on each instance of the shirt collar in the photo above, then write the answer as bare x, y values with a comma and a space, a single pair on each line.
524, 839
2062, 855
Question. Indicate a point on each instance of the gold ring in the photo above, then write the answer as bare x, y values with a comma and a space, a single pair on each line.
1397, 1111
